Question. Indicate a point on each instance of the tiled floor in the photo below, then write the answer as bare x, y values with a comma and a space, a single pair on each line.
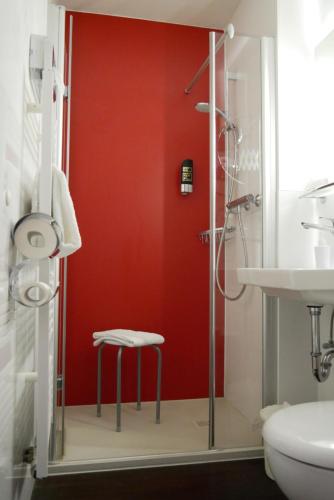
239, 480
183, 428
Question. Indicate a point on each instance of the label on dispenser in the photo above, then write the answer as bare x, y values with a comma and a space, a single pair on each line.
187, 175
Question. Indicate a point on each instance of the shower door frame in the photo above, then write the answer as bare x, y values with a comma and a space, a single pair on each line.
212, 229
269, 245
269, 163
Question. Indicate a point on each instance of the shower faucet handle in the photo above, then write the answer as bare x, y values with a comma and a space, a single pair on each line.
330, 219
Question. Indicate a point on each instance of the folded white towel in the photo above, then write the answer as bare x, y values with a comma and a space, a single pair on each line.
62, 211
128, 338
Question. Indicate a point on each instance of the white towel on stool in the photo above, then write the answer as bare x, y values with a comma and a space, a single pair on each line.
127, 338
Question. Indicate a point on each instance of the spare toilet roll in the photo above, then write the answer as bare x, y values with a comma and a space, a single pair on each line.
37, 236
29, 293
34, 294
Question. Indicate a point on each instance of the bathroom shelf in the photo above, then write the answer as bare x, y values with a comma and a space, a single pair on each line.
319, 192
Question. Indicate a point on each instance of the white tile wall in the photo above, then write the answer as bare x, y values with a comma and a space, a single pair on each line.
295, 244
255, 18
19, 151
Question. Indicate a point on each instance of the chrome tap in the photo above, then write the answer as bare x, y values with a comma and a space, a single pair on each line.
320, 227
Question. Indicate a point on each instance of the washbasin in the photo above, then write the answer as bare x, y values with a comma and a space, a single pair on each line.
311, 286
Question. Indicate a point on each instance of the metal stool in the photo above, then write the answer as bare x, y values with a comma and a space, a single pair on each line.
119, 381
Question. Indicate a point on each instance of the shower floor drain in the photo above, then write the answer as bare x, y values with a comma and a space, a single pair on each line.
202, 423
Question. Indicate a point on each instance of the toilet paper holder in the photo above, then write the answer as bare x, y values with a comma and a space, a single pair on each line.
30, 293
37, 236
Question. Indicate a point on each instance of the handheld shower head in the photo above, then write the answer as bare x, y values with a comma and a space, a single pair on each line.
203, 107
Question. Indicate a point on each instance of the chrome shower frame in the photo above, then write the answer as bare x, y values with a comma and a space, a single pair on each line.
212, 250
269, 259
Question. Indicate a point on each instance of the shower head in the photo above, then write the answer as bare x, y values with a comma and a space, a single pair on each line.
203, 107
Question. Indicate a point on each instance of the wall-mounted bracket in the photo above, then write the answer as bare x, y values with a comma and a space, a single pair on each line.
28, 455
60, 382
36, 64
32, 107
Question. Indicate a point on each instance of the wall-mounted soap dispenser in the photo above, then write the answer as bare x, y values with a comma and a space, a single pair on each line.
187, 177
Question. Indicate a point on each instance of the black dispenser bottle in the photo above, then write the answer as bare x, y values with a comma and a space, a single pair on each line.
187, 177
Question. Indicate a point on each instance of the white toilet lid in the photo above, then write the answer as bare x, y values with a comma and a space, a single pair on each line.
304, 432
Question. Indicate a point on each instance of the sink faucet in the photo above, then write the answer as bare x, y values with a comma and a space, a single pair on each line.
320, 227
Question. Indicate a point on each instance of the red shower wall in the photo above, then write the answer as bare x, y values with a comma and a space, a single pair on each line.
142, 265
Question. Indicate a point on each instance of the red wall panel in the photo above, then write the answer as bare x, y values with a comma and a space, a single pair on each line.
142, 265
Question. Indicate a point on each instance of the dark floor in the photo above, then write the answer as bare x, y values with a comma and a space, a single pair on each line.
224, 481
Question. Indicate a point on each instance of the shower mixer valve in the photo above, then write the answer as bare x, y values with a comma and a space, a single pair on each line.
244, 201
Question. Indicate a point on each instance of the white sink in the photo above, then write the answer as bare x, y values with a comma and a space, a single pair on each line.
312, 286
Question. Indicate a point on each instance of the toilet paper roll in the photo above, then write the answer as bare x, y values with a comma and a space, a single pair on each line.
30, 293
37, 236
34, 294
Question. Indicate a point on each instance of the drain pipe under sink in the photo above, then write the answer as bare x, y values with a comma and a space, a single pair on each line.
321, 365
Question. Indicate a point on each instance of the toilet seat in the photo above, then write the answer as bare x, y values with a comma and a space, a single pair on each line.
304, 432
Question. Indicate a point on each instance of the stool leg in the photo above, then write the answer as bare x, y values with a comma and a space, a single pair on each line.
119, 389
99, 376
138, 378
157, 417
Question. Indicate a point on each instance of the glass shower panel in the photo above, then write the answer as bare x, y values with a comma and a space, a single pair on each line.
237, 413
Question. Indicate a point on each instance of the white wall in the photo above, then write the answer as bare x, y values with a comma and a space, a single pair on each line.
19, 155
255, 18
302, 136
299, 27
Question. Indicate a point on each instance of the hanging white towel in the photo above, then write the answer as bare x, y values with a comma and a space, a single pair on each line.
62, 211
127, 338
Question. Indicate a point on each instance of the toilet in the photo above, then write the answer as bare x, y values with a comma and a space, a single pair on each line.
299, 444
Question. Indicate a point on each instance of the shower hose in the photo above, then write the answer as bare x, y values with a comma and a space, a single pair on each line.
233, 178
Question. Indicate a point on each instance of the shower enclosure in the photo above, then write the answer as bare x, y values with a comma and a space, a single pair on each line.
241, 375
241, 84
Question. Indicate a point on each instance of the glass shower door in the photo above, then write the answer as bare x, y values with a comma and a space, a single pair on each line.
237, 412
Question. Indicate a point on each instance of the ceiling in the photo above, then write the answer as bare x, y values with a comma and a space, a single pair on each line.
205, 13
